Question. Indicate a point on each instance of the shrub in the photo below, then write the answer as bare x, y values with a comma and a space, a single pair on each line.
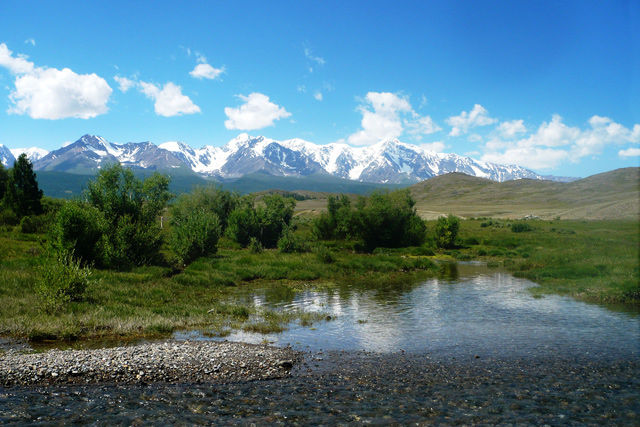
264, 223
8, 217
291, 242
79, 229
195, 235
388, 219
446, 231
254, 246
521, 227
62, 279
34, 224
324, 254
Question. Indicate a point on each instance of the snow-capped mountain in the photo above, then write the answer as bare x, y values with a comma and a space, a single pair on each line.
6, 156
90, 152
33, 154
389, 161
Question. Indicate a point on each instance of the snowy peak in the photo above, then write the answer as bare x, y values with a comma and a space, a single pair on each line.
6, 156
388, 161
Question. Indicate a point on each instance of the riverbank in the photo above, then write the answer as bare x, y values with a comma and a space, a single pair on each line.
159, 362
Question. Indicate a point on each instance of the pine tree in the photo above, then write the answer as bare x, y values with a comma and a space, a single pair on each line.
23, 195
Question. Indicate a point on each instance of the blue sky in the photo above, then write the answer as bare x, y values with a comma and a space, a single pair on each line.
553, 86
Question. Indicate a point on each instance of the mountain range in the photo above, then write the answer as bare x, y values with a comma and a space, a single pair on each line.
389, 161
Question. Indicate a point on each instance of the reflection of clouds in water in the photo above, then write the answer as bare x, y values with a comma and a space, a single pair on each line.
482, 310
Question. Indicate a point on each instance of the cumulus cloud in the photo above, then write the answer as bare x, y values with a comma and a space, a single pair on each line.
387, 115
257, 112
629, 152
206, 71
17, 64
436, 147
124, 83
478, 116
555, 142
49, 93
509, 130
169, 100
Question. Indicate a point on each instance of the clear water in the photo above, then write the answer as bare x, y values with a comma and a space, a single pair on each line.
474, 309
473, 348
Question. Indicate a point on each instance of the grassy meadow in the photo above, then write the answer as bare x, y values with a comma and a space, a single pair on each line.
594, 261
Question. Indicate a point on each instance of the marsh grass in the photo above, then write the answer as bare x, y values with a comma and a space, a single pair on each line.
213, 294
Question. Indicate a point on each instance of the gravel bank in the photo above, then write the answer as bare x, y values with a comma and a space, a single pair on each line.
164, 362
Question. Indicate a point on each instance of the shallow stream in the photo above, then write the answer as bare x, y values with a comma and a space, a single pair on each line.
473, 347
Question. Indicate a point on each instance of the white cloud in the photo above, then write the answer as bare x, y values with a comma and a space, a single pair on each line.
124, 83
529, 157
478, 116
169, 100
630, 152
509, 130
309, 55
386, 115
554, 142
257, 112
437, 146
17, 64
49, 93
318, 96
206, 71
422, 126
30, 41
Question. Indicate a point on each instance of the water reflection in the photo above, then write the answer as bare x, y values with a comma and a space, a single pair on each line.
470, 309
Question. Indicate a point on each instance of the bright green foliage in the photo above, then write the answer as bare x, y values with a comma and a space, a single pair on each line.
22, 193
194, 235
117, 226
291, 242
80, 229
388, 219
265, 223
4, 177
337, 222
521, 227
63, 279
446, 231
210, 199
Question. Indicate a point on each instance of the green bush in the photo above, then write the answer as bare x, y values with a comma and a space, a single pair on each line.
8, 217
80, 229
521, 227
291, 242
195, 235
388, 219
34, 224
254, 246
265, 222
446, 231
62, 279
324, 254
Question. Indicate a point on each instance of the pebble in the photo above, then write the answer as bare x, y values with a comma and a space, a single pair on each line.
158, 362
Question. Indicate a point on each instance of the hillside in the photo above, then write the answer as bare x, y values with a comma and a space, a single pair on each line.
610, 195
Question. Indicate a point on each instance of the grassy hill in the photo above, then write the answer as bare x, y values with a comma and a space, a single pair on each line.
610, 195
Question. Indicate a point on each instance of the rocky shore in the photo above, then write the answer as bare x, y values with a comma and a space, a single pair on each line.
161, 362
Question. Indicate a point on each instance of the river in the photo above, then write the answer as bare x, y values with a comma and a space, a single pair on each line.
472, 347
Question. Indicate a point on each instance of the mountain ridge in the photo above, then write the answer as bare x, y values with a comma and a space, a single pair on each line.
389, 161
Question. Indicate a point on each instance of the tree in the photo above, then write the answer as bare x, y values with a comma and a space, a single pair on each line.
446, 231
388, 219
337, 222
22, 193
264, 223
4, 177
117, 223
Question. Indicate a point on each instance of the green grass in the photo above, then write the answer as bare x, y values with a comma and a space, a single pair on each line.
587, 260
212, 294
